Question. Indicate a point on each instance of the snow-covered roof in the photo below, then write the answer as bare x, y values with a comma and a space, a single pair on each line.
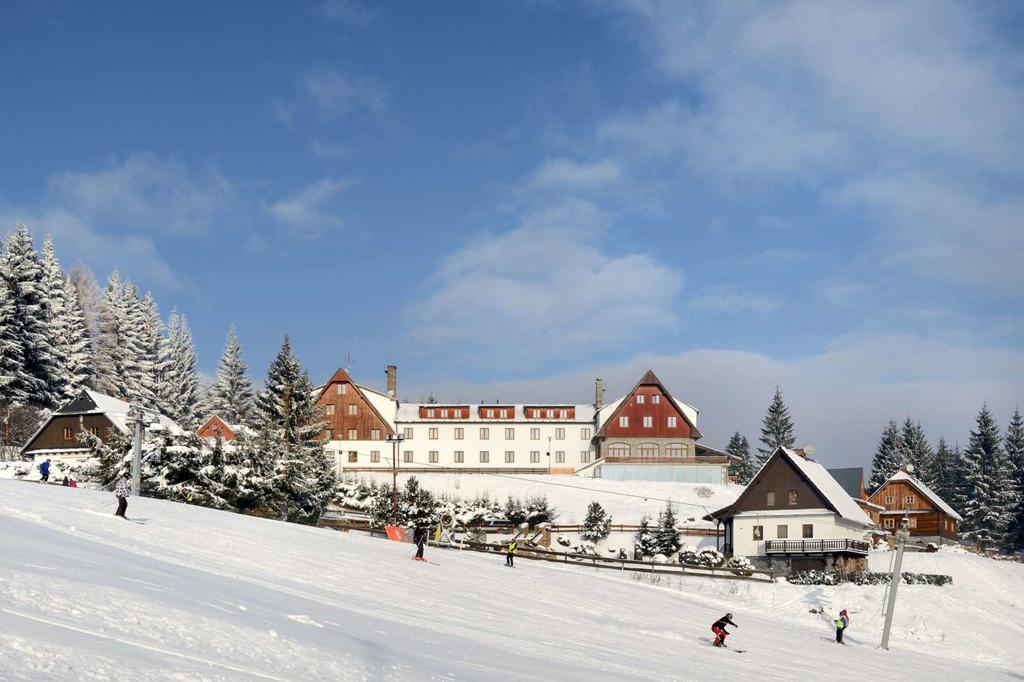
383, 403
828, 487
116, 410
926, 491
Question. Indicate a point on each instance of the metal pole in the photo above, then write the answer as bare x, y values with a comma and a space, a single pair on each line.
894, 581
137, 455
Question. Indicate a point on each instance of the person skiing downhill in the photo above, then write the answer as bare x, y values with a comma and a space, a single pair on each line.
419, 536
842, 622
121, 491
719, 629
44, 471
512, 547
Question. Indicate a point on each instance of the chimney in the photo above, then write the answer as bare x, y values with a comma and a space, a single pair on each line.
599, 393
392, 381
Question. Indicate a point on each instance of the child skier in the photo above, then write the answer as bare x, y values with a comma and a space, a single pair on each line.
121, 491
512, 547
44, 471
842, 622
719, 629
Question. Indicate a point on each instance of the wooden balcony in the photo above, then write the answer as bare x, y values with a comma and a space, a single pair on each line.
842, 546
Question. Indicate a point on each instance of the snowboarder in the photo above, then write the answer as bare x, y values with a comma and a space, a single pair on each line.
44, 470
121, 491
842, 622
719, 629
419, 536
512, 547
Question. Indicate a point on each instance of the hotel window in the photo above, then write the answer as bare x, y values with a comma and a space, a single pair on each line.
407, 433
353, 456
459, 457
808, 530
430, 414
648, 422
485, 457
330, 408
560, 433
510, 434
407, 456
485, 433
342, 389
551, 414
534, 434
353, 410
640, 399
353, 434
655, 399
584, 456
459, 433
559, 456
510, 456
585, 433
618, 450
433, 456
648, 450
671, 422
534, 456
504, 414
444, 414
759, 532
432, 434
69, 434
770, 499
793, 498
565, 414
328, 434
624, 422
489, 413
782, 532
910, 500
374, 434
374, 456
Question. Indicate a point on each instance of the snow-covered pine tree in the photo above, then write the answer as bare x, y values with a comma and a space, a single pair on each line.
889, 456
419, 506
515, 512
917, 451
596, 524
14, 382
944, 473
23, 274
137, 360
113, 351
743, 469
178, 387
1013, 446
52, 283
76, 344
667, 537
251, 474
150, 330
987, 508
776, 428
231, 396
644, 546
89, 296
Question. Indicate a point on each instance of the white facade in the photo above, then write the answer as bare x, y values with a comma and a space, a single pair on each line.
825, 525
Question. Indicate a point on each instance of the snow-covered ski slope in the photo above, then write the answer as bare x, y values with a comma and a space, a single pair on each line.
200, 594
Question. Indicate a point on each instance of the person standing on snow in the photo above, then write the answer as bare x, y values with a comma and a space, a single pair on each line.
44, 470
419, 536
719, 629
512, 547
842, 622
121, 491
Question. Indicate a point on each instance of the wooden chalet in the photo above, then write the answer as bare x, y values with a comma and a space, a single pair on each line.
216, 427
930, 518
795, 513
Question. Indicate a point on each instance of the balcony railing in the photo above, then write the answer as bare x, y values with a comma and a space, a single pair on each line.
816, 546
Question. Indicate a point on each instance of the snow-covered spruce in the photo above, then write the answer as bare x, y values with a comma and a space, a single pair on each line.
776, 428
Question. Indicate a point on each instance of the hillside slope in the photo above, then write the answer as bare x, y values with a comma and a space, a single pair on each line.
201, 594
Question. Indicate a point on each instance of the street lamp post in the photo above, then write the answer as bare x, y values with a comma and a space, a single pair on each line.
395, 439
549, 455
894, 580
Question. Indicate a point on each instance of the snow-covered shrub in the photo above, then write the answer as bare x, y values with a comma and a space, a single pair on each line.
926, 578
742, 563
617, 552
597, 524
704, 491
813, 578
710, 557
660, 559
563, 541
688, 555
586, 547
866, 578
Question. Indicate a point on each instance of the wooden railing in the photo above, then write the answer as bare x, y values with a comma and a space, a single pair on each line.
816, 546
363, 523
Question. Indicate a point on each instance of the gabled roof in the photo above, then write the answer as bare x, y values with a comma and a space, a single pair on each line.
851, 479
376, 400
819, 479
650, 379
927, 492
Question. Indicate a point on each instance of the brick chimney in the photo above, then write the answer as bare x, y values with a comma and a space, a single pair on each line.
392, 380
599, 393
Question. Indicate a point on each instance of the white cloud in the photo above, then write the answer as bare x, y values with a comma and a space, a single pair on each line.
730, 299
547, 286
334, 93
350, 12
326, 151
308, 211
567, 173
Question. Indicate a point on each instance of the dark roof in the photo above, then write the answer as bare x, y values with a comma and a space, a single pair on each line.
850, 479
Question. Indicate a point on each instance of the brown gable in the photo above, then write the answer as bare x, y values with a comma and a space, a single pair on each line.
215, 426
366, 418
685, 429
779, 476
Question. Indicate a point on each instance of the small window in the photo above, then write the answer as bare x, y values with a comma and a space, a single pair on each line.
648, 422
432, 455
353, 456
782, 532
672, 422
510, 434
95, 430
432, 433
585, 433
444, 414
330, 408
485, 433
910, 500
69, 434
770, 501
504, 414
655, 399
564, 414
485, 456
407, 433
758, 532
374, 434
913, 522
559, 456
510, 456
459, 433
889, 523
560, 433
342, 389
624, 422
353, 410
584, 456
407, 456
460, 457
375, 456
353, 434
534, 456
808, 530
640, 399
551, 414
489, 413
534, 434
888, 499
793, 498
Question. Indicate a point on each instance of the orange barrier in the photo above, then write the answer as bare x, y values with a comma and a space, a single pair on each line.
395, 533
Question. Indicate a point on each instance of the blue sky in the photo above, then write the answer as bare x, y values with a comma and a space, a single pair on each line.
509, 199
